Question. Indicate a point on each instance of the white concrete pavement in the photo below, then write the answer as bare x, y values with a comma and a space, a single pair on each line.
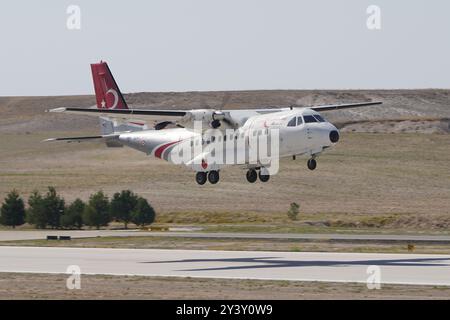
297, 266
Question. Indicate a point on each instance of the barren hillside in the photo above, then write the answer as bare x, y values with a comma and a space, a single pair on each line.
402, 110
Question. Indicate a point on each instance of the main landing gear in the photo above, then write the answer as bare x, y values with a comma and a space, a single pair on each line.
252, 175
211, 176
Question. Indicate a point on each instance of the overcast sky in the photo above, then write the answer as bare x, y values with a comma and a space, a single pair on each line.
184, 45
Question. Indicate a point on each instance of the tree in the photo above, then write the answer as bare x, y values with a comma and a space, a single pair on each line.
36, 214
96, 213
13, 210
122, 204
293, 211
73, 215
54, 207
143, 213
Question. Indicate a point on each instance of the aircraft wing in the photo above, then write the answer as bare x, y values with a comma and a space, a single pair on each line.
344, 106
142, 114
233, 118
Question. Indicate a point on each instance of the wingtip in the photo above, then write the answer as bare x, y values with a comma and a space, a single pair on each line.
56, 110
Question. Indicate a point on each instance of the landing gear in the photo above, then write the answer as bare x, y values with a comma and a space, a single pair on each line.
312, 164
213, 176
252, 176
263, 175
201, 177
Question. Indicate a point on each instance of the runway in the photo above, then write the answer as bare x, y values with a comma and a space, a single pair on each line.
295, 266
41, 234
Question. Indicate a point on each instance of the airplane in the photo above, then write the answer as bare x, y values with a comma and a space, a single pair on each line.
193, 137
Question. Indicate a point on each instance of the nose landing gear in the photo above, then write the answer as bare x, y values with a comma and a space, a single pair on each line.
312, 164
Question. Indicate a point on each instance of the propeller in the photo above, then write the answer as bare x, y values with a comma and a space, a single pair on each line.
164, 124
219, 116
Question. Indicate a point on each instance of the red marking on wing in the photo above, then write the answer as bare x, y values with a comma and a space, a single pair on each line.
161, 149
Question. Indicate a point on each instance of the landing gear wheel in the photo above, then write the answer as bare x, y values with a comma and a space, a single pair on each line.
263, 176
252, 176
213, 176
201, 177
312, 164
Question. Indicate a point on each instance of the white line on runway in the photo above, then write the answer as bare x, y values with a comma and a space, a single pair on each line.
294, 266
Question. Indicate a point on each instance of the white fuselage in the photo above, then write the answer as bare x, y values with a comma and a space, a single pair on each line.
298, 131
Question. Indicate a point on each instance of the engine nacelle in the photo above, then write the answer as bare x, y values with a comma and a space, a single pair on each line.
208, 117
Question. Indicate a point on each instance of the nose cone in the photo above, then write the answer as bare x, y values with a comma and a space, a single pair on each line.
334, 136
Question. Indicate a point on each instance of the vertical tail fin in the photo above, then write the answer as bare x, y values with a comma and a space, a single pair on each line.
107, 91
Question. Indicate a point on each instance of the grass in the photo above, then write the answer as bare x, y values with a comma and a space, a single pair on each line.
367, 183
143, 242
278, 222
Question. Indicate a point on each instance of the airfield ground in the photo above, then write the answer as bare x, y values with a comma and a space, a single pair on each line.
274, 245
389, 174
369, 181
53, 286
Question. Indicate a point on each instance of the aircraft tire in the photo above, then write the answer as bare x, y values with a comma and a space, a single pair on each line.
201, 177
213, 176
263, 177
252, 176
312, 164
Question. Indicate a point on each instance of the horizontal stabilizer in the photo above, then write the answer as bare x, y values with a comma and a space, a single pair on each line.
79, 139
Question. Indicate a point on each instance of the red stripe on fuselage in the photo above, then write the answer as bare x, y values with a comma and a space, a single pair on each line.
137, 123
161, 149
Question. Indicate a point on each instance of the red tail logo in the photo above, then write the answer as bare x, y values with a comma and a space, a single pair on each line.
107, 91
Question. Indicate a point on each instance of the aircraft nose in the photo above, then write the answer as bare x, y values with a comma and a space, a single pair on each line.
334, 136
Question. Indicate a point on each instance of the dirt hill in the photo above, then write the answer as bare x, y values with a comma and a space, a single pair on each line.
425, 111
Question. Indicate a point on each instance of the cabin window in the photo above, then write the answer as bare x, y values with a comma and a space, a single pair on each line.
309, 119
213, 138
291, 123
225, 138
299, 121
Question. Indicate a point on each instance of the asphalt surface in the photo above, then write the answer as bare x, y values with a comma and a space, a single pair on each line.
297, 266
42, 234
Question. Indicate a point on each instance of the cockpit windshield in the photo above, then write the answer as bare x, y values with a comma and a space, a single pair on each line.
310, 119
319, 118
